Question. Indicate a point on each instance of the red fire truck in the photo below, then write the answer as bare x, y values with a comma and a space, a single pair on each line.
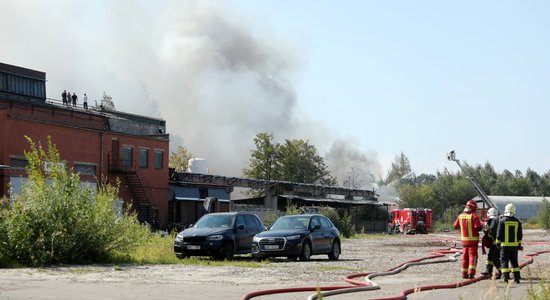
411, 220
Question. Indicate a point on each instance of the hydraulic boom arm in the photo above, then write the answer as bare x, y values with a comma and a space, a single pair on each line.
473, 182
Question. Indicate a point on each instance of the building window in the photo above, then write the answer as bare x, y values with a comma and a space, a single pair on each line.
143, 158
18, 163
159, 159
127, 154
85, 168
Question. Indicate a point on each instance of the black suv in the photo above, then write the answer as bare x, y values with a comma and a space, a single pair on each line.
220, 235
296, 236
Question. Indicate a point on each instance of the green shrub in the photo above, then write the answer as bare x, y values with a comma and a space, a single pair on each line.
342, 221
544, 214
57, 220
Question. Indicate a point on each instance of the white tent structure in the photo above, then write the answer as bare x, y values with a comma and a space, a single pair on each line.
526, 207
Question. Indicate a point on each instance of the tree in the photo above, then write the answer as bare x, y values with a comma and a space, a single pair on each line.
544, 214
353, 179
179, 160
399, 169
295, 160
107, 102
264, 162
300, 162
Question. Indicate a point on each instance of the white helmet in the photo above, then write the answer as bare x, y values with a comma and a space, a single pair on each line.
492, 213
510, 209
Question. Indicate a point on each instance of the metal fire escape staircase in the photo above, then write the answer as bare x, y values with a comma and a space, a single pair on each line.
134, 182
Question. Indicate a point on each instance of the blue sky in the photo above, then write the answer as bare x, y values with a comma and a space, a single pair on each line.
363, 80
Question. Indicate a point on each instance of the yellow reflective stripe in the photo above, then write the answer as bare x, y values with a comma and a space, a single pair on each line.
515, 269
464, 270
505, 270
472, 267
467, 217
507, 239
488, 262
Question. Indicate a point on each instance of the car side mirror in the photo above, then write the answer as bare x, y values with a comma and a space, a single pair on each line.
316, 226
240, 226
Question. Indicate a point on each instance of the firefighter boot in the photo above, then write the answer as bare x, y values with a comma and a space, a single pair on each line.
505, 276
488, 270
516, 277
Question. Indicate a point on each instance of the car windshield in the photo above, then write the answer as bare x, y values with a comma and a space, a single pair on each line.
214, 221
291, 222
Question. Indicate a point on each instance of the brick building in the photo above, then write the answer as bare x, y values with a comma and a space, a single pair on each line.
95, 142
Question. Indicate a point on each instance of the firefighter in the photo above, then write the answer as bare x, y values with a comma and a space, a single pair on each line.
470, 225
509, 235
488, 241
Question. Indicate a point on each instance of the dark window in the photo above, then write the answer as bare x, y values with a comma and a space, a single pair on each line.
251, 221
18, 163
240, 221
159, 159
314, 221
127, 154
325, 223
85, 169
143, 158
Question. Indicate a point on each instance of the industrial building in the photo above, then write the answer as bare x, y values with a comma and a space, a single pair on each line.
95, 142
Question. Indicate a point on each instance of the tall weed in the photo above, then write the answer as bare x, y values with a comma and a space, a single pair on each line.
57, 220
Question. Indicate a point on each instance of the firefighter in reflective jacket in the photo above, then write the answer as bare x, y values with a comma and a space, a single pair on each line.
470, 225
488, 241
509, 235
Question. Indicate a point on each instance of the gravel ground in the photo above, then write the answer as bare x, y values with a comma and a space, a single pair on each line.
374, 254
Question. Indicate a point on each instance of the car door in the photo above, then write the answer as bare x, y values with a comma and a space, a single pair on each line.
241, 234
316, 235
328, 233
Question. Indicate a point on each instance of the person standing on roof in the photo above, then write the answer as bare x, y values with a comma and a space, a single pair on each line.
64, 97
470, 225
488, 241
85, 103
509, 235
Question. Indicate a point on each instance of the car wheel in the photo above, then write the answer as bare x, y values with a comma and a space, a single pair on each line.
306, 251
227, 251
335, 252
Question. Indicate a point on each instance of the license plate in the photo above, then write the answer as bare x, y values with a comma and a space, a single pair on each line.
193, 247
271, 247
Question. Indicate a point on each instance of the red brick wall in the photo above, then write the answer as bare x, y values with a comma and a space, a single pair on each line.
79, 138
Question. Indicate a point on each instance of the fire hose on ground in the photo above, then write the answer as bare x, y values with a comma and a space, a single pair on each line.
369, 285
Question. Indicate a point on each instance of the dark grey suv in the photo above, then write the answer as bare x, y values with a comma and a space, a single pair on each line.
220, 235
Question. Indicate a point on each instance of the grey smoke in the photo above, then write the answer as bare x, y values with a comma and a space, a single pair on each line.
216, 77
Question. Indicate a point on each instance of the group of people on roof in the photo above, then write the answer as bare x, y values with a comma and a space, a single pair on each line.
67, 99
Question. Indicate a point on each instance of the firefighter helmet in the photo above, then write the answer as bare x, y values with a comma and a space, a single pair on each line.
472, 205
492, 213
510, 209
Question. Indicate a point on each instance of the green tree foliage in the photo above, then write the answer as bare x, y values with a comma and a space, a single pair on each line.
544, 214
57, 220
399, 168
179, 160
300, 162
294, 160
447, 192
264, 161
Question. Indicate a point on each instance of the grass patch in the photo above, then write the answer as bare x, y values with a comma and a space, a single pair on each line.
81, 271
159, 249
369, 236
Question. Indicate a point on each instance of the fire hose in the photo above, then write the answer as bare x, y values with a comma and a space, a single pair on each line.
368, 284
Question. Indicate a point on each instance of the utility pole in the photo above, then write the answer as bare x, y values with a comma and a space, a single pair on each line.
473, 182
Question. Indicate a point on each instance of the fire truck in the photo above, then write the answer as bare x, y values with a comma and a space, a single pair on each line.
411, 220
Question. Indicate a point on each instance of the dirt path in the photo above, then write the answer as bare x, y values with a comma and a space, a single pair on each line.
378, 253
